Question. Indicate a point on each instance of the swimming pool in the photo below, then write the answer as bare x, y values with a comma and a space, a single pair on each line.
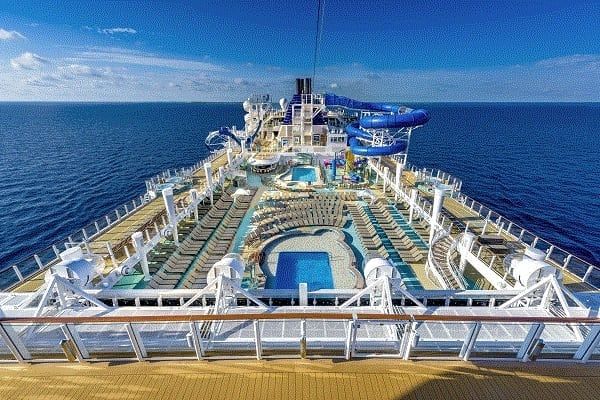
305, 174
294, 267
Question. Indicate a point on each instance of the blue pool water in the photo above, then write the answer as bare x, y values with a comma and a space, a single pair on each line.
305, 174
294, 267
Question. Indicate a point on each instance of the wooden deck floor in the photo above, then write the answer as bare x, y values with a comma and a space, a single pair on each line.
299, 379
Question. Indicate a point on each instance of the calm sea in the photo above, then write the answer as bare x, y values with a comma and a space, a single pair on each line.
64, 165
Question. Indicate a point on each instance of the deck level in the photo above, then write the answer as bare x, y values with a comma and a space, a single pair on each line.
300, 379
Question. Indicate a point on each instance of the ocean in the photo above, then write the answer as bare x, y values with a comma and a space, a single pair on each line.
63, 165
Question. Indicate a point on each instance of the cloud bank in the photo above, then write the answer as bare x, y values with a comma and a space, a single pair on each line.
121, 74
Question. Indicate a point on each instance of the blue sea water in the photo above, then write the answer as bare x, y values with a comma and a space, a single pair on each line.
63, 165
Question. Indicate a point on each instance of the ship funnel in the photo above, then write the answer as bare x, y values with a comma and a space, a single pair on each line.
303, 86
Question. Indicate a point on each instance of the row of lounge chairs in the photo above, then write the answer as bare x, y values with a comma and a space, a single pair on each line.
401, 242
315, 210
169, 275
218, 244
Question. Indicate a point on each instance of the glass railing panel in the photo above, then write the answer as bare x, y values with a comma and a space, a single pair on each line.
47, 256
5, 353
8, 277
105, 340
229, 337
375, 338
578, 267
166, 339
499, 340
558, 256
594, 277
439, 339
323, 337
42, 341
562, 341
28, 266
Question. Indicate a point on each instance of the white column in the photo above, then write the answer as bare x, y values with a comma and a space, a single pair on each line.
465, 245
138, 244
209, 179
386, 172
221, 176
438, 201
398, 177
229, 157
194, 200
413, 201
171, 213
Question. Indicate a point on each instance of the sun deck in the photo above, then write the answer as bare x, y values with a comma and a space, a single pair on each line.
300, 379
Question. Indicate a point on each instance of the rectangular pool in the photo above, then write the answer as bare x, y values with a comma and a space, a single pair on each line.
294, 267
304, 174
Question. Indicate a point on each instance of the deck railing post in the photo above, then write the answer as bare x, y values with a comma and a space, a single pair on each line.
18, 273
196, 340
532, 336
350, 339
589, 345
257, 339
136, 342
38, 261
73, 336
14, 344
465, 351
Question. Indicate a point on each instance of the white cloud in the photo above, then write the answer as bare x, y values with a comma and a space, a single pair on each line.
112, 31
10, 35
333, 85
78, 70
133, 57
29, 61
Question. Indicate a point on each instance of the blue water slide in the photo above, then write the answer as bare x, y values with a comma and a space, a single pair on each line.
224, 131
355, 130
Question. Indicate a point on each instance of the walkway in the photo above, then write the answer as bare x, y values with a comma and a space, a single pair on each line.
298, 379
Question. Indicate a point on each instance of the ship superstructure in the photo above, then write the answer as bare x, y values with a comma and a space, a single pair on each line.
306, 233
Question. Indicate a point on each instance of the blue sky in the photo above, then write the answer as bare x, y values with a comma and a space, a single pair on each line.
223, 50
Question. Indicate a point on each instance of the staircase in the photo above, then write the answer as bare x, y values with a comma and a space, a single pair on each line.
439, 251
287, 119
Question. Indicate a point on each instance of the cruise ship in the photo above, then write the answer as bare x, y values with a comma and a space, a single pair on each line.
305, 234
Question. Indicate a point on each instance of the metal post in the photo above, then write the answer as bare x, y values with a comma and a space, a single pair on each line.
534, 334
14, 344
257, 340
72, 335
18, 273
171, 213
138, 243
136, 342
465, 351
196, 340
303, 338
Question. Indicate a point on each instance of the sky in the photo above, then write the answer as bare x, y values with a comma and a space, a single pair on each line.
420, 51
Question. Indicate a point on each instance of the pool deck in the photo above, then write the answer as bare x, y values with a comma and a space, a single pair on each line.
300, 379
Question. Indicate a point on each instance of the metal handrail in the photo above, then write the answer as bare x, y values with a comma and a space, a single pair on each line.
299, 316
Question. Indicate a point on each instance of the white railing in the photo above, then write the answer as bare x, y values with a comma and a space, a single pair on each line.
197, 336
561, 258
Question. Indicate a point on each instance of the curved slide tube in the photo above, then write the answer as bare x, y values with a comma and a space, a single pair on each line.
356, 130
224, 131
